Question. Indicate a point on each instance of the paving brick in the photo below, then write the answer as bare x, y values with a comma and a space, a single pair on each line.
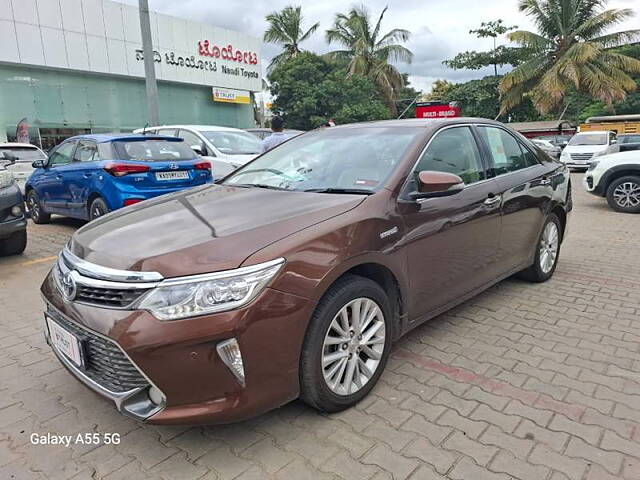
400, 466
345, 466
631, 468
539, 416
177, 467
435, 433
440, 459
479, 452
575, 397
622, 427
588, 433
314, 450
611, 461
572, 467
518, 446
467, 470
355, 444
463, 407
611, 441
225, 463
397, 439
270, 457
472, 428
390, 413
143, 444
506, 462
530, 431
596, 472
508, 423
426, 409
425, 472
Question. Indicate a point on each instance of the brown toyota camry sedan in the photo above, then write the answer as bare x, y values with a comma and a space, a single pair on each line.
293, 276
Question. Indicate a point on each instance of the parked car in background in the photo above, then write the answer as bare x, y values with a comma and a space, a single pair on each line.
583, 148
88, 176
628, 142
547, 147
224, 147
263, 133
617, 178
560, 141
13, 220
294, 275
24, 155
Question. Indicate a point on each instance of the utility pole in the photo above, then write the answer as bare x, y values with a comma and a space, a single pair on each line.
149, 67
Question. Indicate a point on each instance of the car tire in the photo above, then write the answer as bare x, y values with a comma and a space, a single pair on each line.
358, 354
97, 208
38, 215
14, 244
547, 252
623, 194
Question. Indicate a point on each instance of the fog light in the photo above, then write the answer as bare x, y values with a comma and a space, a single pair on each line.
229, 352
16, 210
156, 396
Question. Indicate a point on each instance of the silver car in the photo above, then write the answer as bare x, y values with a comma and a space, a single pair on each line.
24, 155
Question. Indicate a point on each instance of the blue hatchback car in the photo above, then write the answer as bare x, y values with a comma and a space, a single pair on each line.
89, 175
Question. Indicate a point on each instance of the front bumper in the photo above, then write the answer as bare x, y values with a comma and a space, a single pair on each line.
591, 183
9, 197
180, 357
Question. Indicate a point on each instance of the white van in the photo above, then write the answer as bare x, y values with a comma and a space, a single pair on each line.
585, 147
226, 148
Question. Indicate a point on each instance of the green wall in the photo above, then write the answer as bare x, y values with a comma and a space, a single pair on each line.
57, 99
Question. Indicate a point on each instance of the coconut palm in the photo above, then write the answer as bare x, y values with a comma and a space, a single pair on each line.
285, 28
369, 52
572, 48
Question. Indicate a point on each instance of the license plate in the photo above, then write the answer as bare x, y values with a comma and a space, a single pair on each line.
180, 175
65, 342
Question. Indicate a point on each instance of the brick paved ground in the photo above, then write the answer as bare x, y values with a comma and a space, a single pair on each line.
526, 381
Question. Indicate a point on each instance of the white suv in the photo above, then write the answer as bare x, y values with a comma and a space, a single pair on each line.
617, 177
585, 147
226, 148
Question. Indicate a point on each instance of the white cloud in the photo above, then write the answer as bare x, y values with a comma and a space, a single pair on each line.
440, 27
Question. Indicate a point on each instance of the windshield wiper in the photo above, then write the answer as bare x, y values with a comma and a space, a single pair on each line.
255, 185
353, 191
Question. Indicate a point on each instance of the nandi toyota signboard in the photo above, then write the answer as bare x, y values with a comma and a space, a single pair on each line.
102, 36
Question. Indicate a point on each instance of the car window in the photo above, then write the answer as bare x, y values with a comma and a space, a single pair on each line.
507, 154
191, 139
62, 155
153, 150
23, 154
231, 142
86, 152
168, 132
453, 150
629, 139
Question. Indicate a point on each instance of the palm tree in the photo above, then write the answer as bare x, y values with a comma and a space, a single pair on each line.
369, 52
571, 49
285, 27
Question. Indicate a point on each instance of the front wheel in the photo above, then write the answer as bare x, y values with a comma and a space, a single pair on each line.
547, 252
623, 195
38, 215
347, 344
97, 208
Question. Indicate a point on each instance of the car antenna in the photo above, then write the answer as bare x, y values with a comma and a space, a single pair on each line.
144, 129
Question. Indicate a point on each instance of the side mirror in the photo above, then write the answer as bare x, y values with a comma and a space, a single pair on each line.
613, 141
38, 164
198, 149
437, 184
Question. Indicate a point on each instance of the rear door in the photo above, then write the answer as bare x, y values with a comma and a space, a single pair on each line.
52, 190
219, 169
451, 241
526, 186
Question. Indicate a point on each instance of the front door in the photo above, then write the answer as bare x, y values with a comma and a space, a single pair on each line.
451, 241
55, 197
79, 176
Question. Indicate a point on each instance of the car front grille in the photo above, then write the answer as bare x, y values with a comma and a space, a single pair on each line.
581, 156
107, 297
105, 363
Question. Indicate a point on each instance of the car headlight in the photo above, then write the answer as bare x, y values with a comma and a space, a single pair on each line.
196, 295
6, 178
592, 166
565, 156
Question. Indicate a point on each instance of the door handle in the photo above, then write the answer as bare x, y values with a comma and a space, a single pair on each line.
493, 200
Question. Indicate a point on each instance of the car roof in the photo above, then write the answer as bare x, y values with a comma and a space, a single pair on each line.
430, 123
594, 131
206, 128
115, 137
16, 144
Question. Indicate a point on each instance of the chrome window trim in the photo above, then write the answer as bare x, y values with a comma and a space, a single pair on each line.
105, 273
518, 141
97, 283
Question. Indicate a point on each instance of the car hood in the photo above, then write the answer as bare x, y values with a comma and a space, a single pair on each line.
204, 229
238, 159
585, 148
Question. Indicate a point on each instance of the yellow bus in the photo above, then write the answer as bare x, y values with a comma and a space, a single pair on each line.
615, 123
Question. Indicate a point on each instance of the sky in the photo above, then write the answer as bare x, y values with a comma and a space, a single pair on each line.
440, 28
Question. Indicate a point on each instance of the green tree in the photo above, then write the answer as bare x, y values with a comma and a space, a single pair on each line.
440, 89
369, 52
285, 28
308, 90
571, 49
500, 55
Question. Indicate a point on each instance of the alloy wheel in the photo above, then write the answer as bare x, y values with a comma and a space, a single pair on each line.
96, 211
353, 346
549, 247
34, 207
627, 195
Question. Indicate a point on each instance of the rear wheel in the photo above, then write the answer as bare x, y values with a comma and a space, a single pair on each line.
97, 208
547, 251
623, 195
347, 344
15, 244
38, 215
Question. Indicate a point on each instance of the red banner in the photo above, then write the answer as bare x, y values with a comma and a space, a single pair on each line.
437, 111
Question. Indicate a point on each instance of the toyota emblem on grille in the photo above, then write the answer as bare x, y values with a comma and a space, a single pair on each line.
68, 287
173, 166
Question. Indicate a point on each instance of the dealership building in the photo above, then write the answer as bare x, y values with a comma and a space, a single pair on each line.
76, 66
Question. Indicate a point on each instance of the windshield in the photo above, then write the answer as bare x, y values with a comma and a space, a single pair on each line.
153, 150
629, 139
589, 139
234, 143
23, 154
354, 159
